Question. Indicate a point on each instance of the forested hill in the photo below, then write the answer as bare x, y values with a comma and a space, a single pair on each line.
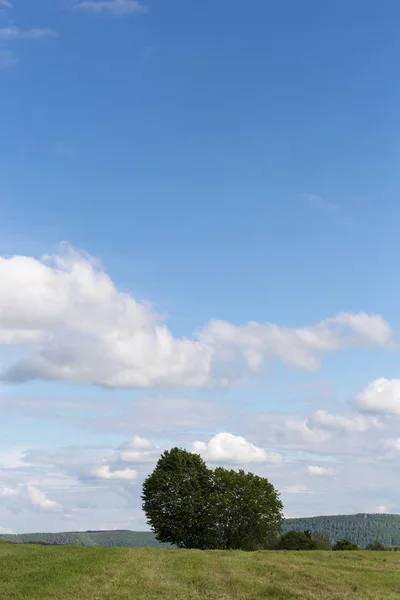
361, 529
122, 538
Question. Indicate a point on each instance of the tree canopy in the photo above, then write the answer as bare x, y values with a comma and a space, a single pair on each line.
247, 510
176, 500
296, 540
191, 506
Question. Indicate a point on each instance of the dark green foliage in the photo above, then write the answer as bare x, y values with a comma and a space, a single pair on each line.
361, 529
322, 540
296, 540
375, 545
176, 500
188, 505
246, 510
344, 545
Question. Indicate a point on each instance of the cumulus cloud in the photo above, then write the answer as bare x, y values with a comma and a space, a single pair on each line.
352, 423
6, 492
296, 347
319, 471
9, 34
381, 396
39, 500
77, 326
235, 449
137, 450
111, 7
85, 464
106, 472
318, 431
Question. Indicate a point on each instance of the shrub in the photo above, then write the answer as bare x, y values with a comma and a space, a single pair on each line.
296, 540
322, 540
376, 545
345, 545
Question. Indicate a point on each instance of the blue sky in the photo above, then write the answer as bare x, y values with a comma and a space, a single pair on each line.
192, 168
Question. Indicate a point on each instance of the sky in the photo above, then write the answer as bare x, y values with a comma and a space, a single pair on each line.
199, 248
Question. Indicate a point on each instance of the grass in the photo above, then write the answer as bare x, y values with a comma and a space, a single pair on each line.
94, 573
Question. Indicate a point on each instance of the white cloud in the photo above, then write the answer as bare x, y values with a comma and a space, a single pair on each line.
139, 443
6, 492
5, 530
290, 430
320, 471
77, 326
9, 34
381, 396
393, 444
381, 509
112, 7
352, 423
105, 472
297, 489
39, 500
137, 450
229, 448
296, 347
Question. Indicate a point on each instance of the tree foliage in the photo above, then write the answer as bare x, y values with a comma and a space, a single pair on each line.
322, 540
345, 545
296, 540
246, 510
361, 529
189, 505
375, 545
176, 500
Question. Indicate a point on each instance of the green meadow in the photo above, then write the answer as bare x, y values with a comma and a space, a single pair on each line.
94, 573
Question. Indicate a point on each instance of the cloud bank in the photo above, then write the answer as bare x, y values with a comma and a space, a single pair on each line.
73, 324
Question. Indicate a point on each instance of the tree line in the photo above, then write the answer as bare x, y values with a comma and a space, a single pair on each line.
362, 529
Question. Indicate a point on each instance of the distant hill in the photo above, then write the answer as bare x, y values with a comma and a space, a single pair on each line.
123, 538
361, 529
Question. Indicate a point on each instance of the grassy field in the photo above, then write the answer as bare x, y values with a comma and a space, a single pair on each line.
75, 573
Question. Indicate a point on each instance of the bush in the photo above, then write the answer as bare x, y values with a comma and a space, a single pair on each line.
296, 540
375, 546
322, 540
345, 545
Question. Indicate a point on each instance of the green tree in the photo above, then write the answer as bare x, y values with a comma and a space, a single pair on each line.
247, 511
176, 500
296, 540
345, 545
188, 505
375, 545
322, 540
